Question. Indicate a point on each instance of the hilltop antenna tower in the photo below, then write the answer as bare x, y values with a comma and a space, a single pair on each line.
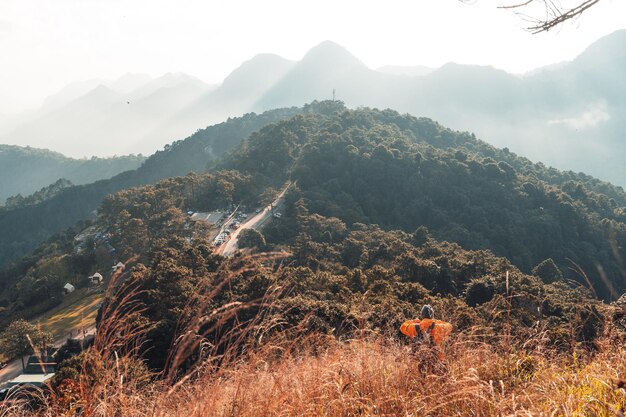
333, 94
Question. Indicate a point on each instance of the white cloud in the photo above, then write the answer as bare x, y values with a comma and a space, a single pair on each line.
593, 115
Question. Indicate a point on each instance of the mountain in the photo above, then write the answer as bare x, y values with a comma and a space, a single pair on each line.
124, 84
128, 82
343, 285
26, 170
566, 116
22, 229
110, 118
235, 96
400, 172
508, 187
324, 68
374, 196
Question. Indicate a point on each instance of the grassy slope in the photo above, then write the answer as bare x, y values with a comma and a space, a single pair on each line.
78, 311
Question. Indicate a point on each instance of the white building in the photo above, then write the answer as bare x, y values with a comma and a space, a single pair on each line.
118, 266
96, 278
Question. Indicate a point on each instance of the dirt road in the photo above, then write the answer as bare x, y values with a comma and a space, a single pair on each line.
256, 222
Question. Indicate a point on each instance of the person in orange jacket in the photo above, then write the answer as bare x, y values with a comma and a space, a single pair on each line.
427, 329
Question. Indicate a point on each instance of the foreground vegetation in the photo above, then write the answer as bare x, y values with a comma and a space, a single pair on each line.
387, 213
367, 374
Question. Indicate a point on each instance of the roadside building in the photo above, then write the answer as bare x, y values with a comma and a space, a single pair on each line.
211, 218
68, 288
36, 380
118, 267
96, 278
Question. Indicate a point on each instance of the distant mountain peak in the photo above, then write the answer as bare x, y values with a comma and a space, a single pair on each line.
266, 57
128, 82
331, 52
176, 76
261, 65
101, 91
609, 48
261, 60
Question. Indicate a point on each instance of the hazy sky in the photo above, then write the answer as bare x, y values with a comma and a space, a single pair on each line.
46, 44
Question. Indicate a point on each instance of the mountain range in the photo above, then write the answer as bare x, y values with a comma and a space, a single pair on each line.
565, 115
107, 118
26, 170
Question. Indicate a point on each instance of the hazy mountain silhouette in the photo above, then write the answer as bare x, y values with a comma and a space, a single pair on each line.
124, 84
235, 96
111, 118
324, 68
567, 115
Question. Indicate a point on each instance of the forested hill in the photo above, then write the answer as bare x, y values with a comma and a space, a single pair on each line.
381, 167
398, 171
22, 229
375, 192
26, 170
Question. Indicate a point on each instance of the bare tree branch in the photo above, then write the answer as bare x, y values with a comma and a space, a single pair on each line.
559, 16
555, 13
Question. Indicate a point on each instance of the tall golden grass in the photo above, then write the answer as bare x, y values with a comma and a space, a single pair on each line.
370, 377
268, 373
378, 375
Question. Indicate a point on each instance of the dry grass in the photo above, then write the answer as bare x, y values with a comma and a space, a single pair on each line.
374, 377
318, 375
378, 376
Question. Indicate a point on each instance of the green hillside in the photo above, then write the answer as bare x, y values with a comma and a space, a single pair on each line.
371, 188
401, 172
26, 170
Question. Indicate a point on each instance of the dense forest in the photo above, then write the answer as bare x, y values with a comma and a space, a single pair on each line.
359, 167
335, 272
401, 172
387, 211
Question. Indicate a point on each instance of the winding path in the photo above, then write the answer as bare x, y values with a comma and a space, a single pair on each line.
256, 222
